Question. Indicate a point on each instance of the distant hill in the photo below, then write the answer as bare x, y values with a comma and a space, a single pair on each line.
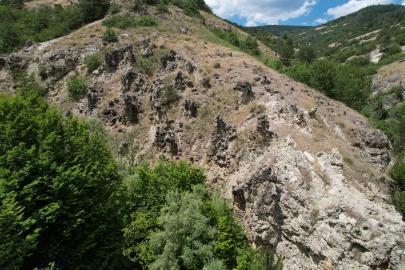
291, 30
346, 28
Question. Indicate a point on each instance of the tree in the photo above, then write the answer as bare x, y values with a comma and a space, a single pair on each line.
285, 50
306, 54
147, 190
187, 240
93, 9
63, 187
232, 38
323, 76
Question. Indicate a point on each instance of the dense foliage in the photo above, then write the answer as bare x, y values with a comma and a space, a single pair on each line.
93, 62
61, 198
76, 87
18, 25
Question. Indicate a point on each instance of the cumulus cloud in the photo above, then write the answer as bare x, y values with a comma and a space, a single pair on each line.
355, 5
304, 23
403, 3
320, 20
261, 11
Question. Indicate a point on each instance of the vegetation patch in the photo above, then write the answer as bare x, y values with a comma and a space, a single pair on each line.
348, 160
93, 62
76, 87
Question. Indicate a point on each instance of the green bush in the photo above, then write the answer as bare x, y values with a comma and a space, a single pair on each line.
109, 35
398, 91
42, 72
146, 21
115, 8
232, 38
121, 21
348, 160
76, 87
161, 7
147, 190
61, 195
93, 62
170, 95
26, 85
136, 6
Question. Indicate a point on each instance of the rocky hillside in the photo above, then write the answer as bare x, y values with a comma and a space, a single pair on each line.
304, 173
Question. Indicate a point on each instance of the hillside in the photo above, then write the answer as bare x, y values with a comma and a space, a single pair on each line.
361, 25
304, 174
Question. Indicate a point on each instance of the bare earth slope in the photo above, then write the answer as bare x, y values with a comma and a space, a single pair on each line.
304, 173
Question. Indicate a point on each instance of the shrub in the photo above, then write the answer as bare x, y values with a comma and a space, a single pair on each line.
72, 207
93, 62
115, 8
397, 172
161, 7
109, 35
348, 160
170, 95
27, 84
398, 91
137, 6
232, 38
121, 21
76, 87
42, 72
146, 21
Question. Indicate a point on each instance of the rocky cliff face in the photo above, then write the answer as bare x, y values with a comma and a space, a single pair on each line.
305, 174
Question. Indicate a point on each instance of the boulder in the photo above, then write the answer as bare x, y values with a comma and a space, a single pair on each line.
133, 80
16, 62
92, 100
120, 57
190, 106
3, 61
246, 93
190, 67
29, 43
221, 137
217, 65
165, 139
132, 109
180, 82
168, 61
312, 112
147, 52
206, 82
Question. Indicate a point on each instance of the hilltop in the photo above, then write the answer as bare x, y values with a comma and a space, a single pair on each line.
305, 174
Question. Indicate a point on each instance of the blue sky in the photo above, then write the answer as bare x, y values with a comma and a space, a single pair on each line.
289, 12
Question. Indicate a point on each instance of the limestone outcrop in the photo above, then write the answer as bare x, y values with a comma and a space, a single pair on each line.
312, 216
221, 137
117, 58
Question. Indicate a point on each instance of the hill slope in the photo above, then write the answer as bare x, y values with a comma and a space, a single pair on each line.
304, 173
362, 23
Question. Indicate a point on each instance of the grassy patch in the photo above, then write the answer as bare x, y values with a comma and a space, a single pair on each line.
348, 160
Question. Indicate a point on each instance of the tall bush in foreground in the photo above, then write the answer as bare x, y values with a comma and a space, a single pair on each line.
60, 193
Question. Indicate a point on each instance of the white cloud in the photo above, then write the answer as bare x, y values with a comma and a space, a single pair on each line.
304, 23
355, 5
403, 3
261, 11
320, 20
